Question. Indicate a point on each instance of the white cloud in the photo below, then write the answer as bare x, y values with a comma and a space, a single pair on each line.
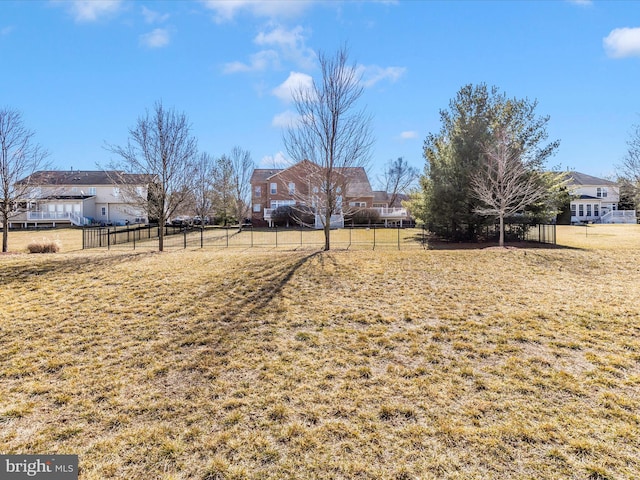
279, 160
151, 16
258, 62
582, 3
293, 83
227, 10
6, 30
155, 39
91, 10
408, 135
373, 74
290, 43
622, 42
286, 119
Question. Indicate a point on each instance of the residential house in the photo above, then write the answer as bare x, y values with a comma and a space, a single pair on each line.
595, 200
76, 197
301, 185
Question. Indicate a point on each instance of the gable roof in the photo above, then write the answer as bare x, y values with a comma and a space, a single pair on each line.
579, 179
86, 177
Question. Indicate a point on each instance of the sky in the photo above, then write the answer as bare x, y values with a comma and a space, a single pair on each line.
83, 72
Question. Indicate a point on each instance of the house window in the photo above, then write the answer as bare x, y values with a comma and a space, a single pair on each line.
257, 207
596, 210
92, 190
358, 204
282, 203
292, 188
274, 188
601, 192
588, 209
140, 191
581, 210
573, 209
257, 191
103, 211
116, 191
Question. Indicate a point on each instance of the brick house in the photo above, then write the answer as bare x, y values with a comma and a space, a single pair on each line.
301, 183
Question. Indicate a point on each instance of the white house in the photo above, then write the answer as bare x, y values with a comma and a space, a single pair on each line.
79, 197
595, 200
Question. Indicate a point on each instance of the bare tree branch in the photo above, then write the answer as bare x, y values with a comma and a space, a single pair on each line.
20, 156
398, 178
160, 145
331, 133
505, 184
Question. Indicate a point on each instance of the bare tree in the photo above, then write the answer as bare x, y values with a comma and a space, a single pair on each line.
242, 166
223, 189
19, 158
160, 145
203, 186
631, 165
398, 178
505, 184
331, 133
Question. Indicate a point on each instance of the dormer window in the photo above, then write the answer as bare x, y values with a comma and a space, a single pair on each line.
601, 192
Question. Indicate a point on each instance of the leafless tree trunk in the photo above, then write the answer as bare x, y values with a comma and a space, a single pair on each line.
203, 186
505, 184
242, 166
331, 133
631, 165
398, 178
223, 186
19, 158
160, 145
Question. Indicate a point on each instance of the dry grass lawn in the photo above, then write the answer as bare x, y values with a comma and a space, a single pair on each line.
271, 364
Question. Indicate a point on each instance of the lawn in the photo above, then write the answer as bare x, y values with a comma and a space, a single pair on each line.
269, 363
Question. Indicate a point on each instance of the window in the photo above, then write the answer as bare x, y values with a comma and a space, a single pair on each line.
573, 209
257, 207
357, 204
596, 210
601, 192
140, 191
92, 190
257, 191
282, 203
103, 211
588, 209
274, 188
292, 188
116, 191
581, 210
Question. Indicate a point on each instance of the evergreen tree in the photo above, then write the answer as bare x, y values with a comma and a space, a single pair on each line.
454, 155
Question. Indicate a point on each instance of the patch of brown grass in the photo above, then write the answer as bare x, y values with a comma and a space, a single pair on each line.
519, 363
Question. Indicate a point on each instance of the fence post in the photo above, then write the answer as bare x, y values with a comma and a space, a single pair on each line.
134, 239
374, 236
108, 239
251, 236
84, 230
202, 235
185, 237
276, 237
300, 236
350, 230
227, 235
398, 236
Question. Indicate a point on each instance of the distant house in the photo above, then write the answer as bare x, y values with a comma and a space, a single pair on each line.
299, 185
77, 197
595, 200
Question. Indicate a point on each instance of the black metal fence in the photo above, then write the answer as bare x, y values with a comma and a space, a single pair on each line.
351, 237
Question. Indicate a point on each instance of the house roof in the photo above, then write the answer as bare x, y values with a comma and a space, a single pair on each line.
578, 179
380, 196
261, 175
86, 177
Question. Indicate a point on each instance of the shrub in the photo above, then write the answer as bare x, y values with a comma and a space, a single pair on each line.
44, 246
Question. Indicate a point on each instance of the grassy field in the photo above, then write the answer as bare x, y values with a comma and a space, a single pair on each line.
268, 363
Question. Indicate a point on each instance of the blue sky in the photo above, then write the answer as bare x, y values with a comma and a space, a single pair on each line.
82, 72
